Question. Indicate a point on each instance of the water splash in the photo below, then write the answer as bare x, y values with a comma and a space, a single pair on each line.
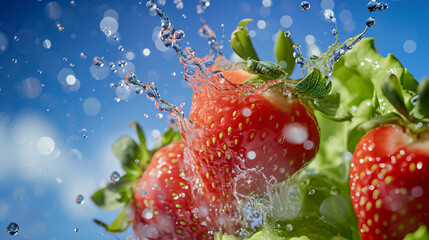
325, 63
153, 94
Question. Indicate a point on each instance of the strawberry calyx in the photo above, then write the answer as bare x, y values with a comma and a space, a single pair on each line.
414, 116
135, 159
316, 86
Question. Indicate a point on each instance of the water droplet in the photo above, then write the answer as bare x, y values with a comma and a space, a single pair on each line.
251, 155
287, 34
179, 34
333, 191
382, 6
16, 38
311, 192
14, 60
370, 21
148, 213
159, 115
12, 228
80, 199
98, 61
76, 230
115, 176
143, 193
145, 115
372, 6
64, 59
289, 227
121, 48
82, 55
305, 5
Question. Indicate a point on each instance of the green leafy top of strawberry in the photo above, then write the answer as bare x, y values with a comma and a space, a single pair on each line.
134, 158
315, 85
368, 91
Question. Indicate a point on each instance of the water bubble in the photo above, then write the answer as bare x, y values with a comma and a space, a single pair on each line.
287, 34
60, 28
80, 199
148, 213
98, 61
295, 133
251, 155
146, 52
45, 145
115, 176
409, 46
47, 44
12, 228
289, 227
179, 34
305, 5
372, 6
333, 191
143, 193
382, 6
370, 21
75, 229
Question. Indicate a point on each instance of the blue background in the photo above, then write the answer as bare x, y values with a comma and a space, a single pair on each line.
39, 182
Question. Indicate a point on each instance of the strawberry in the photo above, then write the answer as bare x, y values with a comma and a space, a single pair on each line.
248, 127
164, 196
389, 182
163, 206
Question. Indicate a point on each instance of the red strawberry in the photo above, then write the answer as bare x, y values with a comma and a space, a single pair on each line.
389, 182
164, 206
246, 127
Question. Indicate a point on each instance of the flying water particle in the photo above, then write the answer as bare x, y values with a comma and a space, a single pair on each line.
179, 4
382, 6
121, 48
159, 115
122, 63
65, 59
370, 22
146, 52
112, 67
85, 135
76, 230
143, 193
145, 115
14, 60
372, 6
16, 38
60, 28
115, 176
251, 155
82, 55
148, 213
179, 34
305, 5
39, 71
12, 228
47, 44
311, 192
287, 34
98, 61
80, 199
289, 227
